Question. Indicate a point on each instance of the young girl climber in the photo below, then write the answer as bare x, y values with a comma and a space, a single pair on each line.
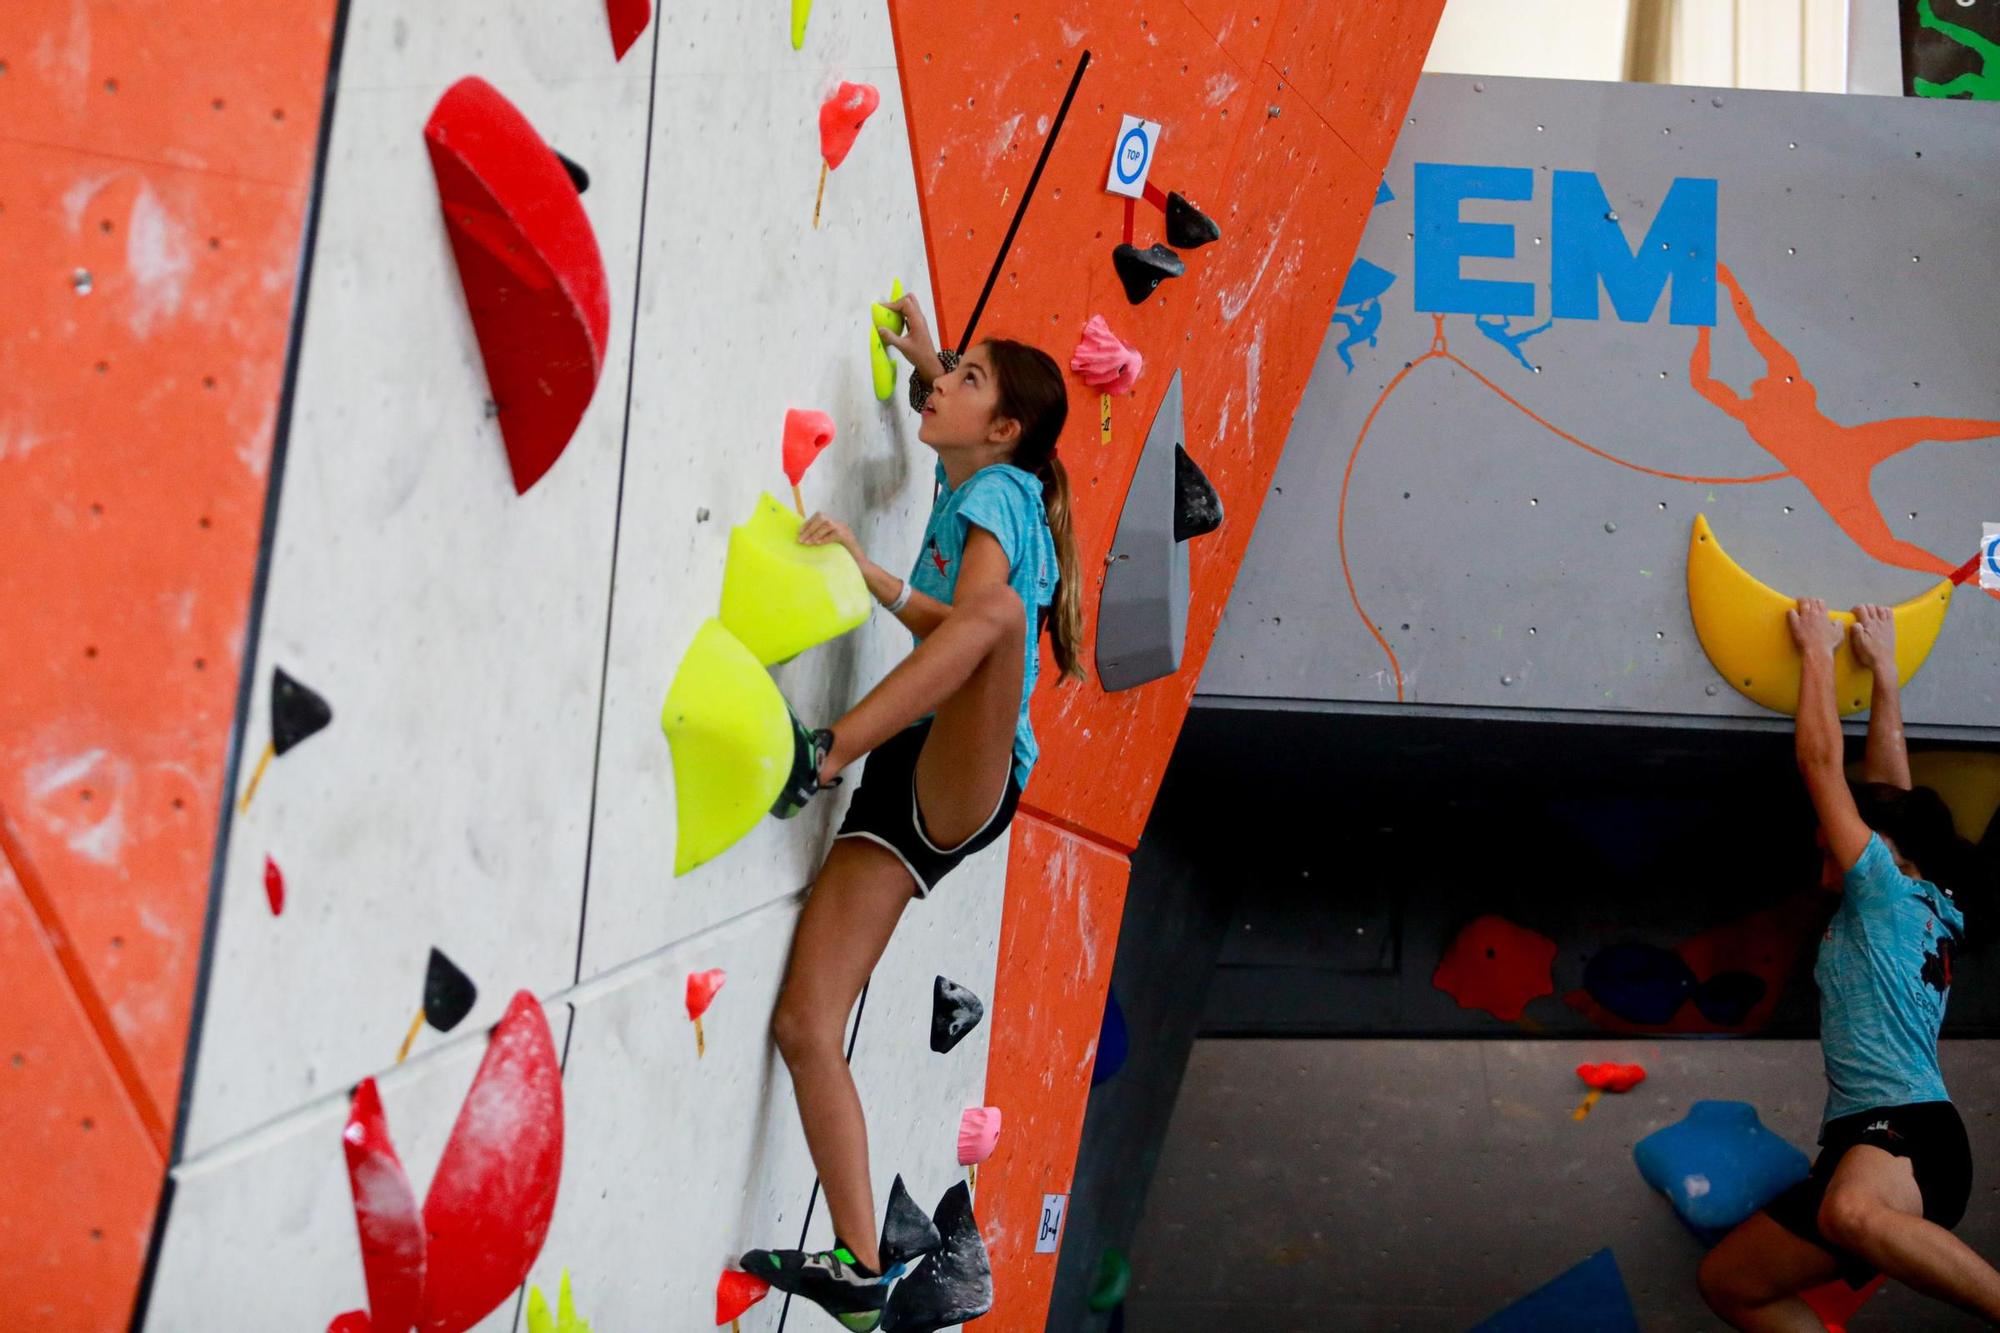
948, 743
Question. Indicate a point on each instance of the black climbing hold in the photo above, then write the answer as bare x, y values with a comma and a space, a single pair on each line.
1144, 270
1187, 226
448, 993
577, 175
1727, 998
952, 1284
296, 712
955, 1011
1197, 508
1640, 983
907, 1233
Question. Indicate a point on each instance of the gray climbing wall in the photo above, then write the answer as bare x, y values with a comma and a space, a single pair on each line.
1503, 560
1371, 1186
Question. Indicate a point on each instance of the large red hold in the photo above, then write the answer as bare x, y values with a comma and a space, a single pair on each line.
385, 1213
1497, 966
1610, 1077
495, 1190
628, 19
528, 261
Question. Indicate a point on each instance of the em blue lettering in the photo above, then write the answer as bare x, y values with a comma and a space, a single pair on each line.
1588, 246
1443, 239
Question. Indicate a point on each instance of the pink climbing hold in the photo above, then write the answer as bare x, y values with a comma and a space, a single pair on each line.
1497, 966
386, 1215
529, 263
841, 117
274, 887
1103, 361
978, 1134
737, 1292
806, 433
628, 19
701, 989
495, 1190
1608, 1077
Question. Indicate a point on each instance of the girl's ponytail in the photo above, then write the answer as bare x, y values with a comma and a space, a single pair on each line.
1032, 392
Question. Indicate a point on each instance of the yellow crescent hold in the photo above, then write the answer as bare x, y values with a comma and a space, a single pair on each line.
1741, 624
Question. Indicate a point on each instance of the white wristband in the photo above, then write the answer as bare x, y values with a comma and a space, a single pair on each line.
902, 599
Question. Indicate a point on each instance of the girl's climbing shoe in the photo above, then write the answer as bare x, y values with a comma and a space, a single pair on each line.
809, 751
831, 1279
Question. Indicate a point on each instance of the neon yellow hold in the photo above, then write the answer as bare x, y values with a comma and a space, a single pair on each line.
731, 737
563, 1321
1741, 624
882, 317
780, 598
801, 11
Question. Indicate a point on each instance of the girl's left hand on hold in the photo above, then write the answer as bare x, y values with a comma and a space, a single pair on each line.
819, 530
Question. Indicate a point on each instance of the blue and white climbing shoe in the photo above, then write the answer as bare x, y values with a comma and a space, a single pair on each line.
831, 1279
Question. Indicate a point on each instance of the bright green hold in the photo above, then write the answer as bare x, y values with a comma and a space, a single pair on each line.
1114, 1275
732, 740
801, 11
1983, 86
563, 1321
882, 317
780, 598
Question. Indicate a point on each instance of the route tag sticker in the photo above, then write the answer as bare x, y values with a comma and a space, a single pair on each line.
1132, 157
1989, 558
1048, 1233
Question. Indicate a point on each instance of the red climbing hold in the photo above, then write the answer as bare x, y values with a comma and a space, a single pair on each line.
806, 433
274, 887
354, 1321
495, 1190
1835, 1302
385, 1213
1609, 1077
1497, 966
628, 20
737, 1292
840, 118
701, 990
529, 263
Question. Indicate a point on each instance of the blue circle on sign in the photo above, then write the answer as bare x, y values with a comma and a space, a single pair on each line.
1136, 132
1993, 555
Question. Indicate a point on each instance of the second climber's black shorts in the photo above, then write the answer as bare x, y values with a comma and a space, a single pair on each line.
1930, 1135
884, 810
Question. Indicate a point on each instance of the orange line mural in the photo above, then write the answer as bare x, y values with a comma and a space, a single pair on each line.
1833, 462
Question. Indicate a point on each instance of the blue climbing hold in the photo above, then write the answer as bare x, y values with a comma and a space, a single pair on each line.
1112, 1041
1718, 1165
1589, 1298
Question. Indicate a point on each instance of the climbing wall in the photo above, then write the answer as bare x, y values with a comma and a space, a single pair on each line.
1495, 476
478, 766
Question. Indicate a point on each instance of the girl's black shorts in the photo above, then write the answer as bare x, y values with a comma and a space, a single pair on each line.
884, 810
1930, 1135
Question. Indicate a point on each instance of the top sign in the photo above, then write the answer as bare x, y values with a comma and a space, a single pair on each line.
1989, 558
1132, 157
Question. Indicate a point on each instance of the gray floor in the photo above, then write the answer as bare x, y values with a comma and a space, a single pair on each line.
1384, 1184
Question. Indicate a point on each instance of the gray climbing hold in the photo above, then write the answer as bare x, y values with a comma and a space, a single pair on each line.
1187, 226
1142, 271
955, 1011
1197, 508
907, 1233
954, 1283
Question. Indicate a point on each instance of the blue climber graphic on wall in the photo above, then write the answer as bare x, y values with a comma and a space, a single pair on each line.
1500, 329
1363, 289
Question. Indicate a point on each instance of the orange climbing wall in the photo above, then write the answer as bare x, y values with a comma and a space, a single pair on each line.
166, 152
1279, 118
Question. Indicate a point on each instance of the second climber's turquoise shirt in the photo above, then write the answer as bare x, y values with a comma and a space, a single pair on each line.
1007, 502
1884, 974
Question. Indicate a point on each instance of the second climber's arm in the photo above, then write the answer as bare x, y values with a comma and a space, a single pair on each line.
1874, 640
1820, 746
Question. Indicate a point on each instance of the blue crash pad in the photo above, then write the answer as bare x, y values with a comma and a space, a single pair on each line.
1718, 1165
1589, 1298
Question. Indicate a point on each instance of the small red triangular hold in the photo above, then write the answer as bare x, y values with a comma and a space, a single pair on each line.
628, 19
737, 1292
529, 263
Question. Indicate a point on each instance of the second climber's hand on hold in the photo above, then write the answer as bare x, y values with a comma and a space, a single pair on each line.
819, 530
1812, 628
1874, 638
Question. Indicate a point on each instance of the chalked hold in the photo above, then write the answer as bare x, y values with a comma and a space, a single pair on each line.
907, 1233
1187, 226
1142, 271
955, 1011
1197, 508
952, 1284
